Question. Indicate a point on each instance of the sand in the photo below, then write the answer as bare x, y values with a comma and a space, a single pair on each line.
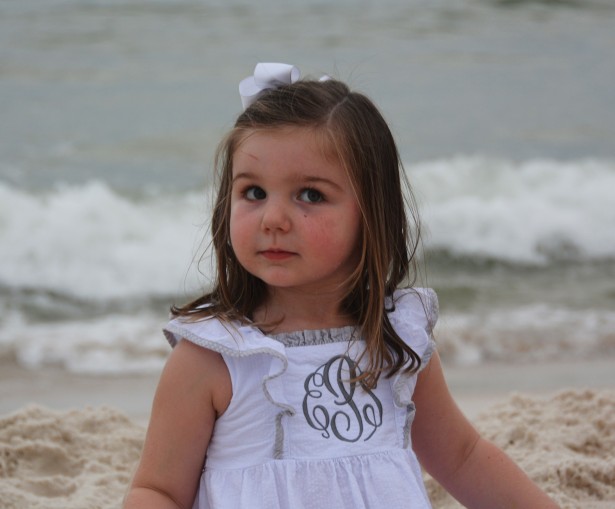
55, 457
565, 443
71, 460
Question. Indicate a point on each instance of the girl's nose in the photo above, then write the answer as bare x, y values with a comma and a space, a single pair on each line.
275, 217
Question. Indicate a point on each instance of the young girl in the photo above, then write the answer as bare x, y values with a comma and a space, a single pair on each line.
307, 378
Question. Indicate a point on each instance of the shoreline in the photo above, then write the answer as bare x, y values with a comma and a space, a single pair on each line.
474, 387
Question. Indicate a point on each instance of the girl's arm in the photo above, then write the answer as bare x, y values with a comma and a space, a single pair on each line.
194, 389
473, 470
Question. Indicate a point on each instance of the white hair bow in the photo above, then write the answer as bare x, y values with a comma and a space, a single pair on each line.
266, 76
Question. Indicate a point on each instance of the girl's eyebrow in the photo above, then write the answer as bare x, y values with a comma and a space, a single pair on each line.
309, 179
244, 175
320, 180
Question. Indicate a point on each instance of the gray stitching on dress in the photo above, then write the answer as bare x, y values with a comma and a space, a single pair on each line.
399, 384
316, 337
278, 448
433, 309
410, 411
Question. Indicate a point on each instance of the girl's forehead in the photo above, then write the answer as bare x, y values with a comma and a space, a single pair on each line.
315, 138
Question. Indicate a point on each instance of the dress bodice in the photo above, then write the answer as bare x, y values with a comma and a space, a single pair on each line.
299, 427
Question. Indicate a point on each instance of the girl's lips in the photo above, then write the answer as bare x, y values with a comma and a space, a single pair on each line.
276, 254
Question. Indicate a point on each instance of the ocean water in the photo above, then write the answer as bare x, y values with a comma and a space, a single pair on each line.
504, 112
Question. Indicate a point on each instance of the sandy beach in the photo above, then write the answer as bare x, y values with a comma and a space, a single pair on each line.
71, 441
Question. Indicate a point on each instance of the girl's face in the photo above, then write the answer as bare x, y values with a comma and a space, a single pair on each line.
295, 222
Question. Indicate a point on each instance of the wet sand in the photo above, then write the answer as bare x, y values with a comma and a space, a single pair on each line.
475, 387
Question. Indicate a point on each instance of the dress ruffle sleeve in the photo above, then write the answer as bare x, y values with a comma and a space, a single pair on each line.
235, 340
414, 315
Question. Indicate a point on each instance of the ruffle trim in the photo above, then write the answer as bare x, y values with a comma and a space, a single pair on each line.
317, 337
419, 326
424, 311
239, 341
403, 389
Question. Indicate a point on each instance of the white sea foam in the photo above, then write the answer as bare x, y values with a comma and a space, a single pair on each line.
531, 212
90, 242
532, 332
109, 344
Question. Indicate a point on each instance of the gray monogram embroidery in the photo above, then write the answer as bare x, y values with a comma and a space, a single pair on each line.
353, 411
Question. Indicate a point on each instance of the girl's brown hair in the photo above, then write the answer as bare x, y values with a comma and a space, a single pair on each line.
353, 131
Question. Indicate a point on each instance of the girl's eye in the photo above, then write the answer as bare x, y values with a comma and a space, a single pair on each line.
311, 196
255, 193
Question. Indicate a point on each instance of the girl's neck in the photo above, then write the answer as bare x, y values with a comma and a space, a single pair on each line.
287, 311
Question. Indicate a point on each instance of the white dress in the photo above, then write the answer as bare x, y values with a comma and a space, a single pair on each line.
297, 433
